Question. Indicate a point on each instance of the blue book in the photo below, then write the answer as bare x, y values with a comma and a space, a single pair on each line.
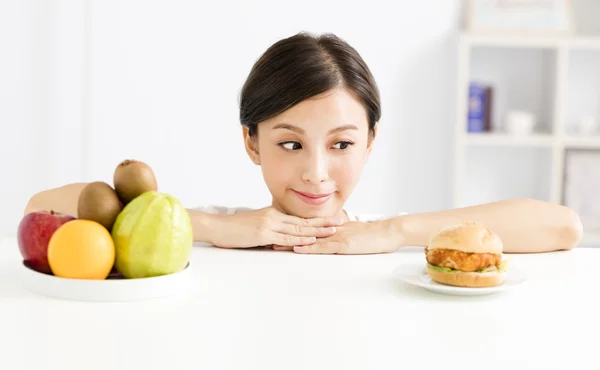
479, 108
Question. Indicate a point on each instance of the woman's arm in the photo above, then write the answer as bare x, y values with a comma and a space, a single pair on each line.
524, 225
64, 199
260, 227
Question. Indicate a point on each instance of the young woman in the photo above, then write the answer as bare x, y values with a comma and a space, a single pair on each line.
309, 111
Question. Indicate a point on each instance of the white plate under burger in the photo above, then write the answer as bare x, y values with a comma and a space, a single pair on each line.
416, 274
109, 290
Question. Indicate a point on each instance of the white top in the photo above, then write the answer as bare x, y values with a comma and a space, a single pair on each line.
270, 310
233, 210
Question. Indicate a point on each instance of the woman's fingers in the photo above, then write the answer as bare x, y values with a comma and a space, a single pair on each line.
285, 231
319, 248
282, 248
301, 230
287, 240
312, 222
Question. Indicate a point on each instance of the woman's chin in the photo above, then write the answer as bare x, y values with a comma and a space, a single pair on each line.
325, 210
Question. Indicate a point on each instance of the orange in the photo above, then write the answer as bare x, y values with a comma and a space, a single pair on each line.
81, 249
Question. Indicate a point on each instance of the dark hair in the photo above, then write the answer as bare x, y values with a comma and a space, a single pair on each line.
300, 67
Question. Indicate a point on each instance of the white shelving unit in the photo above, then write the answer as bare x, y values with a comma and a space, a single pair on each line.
533, 165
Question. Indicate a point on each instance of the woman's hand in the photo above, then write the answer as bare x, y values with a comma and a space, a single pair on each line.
354, 238
268, 227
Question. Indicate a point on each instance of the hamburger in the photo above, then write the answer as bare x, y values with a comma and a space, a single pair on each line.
466, 255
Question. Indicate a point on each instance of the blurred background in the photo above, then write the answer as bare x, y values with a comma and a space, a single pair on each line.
482, 100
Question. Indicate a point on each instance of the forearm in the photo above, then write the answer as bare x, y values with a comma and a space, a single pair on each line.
62, 199
524, 225
203, 225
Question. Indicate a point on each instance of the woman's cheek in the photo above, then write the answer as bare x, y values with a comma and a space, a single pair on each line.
348, 172
276, 171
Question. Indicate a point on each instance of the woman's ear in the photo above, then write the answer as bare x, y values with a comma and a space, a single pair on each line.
251, 144
371, 140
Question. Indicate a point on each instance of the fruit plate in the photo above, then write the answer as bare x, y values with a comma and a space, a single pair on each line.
113, 289
416, 274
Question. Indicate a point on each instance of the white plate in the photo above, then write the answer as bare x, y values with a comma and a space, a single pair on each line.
109, 290
415, 274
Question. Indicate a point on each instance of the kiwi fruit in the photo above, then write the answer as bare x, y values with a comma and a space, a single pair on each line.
133, 178
99, 202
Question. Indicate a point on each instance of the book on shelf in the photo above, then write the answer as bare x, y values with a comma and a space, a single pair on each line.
479, 108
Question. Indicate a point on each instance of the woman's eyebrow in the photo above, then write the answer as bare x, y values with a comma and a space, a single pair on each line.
343, 128
287, 126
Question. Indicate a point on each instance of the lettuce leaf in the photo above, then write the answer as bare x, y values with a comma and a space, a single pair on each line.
440, 268
502, 267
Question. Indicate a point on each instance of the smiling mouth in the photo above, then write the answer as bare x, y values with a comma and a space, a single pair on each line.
313, 199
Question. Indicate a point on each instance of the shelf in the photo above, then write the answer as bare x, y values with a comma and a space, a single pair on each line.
481, 39
536, 140
531, 87
500, 139
557, 80
582, 142
531, 41
585, 43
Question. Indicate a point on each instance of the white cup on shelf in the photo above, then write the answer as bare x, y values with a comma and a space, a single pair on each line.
520, 122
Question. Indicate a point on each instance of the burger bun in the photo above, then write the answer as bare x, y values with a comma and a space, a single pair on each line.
468, 237
467, 279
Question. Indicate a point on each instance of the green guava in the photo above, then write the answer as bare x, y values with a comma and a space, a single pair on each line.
153, 236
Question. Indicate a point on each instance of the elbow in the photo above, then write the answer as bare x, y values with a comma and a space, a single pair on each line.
570, 231
31, 205
565, 224
562, 225
37, 202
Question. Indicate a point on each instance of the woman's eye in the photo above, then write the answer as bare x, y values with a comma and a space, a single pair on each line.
291, 145
342, 145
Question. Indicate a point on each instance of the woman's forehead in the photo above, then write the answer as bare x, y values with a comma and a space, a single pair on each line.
327, 110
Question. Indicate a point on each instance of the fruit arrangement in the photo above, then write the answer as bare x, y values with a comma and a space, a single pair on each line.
127, 231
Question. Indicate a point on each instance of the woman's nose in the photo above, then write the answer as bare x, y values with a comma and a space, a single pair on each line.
316, 169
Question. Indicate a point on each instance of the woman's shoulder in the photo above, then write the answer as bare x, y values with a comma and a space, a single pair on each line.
361, 217
371, 217
222, 210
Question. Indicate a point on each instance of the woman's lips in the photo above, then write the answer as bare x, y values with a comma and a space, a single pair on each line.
313, 199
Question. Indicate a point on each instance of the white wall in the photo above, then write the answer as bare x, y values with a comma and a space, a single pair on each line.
166, 78
86, 84
41, 91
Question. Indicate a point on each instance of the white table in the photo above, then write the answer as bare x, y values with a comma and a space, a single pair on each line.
259, 309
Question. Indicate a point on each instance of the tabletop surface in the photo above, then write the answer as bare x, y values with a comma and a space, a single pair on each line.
262, 309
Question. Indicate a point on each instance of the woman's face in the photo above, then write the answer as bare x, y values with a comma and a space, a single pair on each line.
312, 154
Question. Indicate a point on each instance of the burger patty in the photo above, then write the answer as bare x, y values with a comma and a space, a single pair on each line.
461, 260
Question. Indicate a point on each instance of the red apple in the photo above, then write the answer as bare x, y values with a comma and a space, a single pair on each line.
35, 230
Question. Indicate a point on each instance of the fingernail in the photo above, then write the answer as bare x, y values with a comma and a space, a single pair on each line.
330, 229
